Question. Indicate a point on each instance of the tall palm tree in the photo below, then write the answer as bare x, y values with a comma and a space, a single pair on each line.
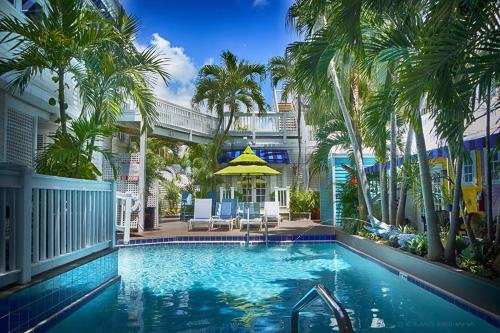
233, 85
282, 70
54, 41
319, 55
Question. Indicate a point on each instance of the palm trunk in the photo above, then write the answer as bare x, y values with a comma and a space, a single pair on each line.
400, 216
489, 185
299, 137
363, 180
384, 202
435, 248
497, 235
394, 172
62, 102
449, 252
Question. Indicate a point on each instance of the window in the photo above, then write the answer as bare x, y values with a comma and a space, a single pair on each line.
260, 189
495, 165
246, 190
31, 8
469, 169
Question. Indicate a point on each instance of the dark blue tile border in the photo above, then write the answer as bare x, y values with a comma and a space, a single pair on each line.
227, 239
464, 305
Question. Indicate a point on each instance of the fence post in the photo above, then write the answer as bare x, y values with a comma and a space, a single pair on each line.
24, 211
113, 212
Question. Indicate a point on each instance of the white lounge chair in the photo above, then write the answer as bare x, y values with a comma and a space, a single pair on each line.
202, 213
272, 212
224, 215
251, 217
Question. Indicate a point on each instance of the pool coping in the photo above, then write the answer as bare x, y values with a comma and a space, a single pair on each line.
228, 240
477, 311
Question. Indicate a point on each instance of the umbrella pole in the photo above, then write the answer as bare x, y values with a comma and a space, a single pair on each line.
248, 213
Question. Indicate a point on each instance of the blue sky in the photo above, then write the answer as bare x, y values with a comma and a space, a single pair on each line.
194, 32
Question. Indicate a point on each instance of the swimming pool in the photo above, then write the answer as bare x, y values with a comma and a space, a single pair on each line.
229, 288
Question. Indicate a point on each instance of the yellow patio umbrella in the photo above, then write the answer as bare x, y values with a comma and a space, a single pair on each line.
248, 164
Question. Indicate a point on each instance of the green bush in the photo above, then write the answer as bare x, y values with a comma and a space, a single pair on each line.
303, 201
352, 226
417, 246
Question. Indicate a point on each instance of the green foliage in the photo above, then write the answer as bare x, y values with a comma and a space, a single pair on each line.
348, 198
408, 229
352, 226
173, 195
417, 246
69, 155
302, 201
203, 167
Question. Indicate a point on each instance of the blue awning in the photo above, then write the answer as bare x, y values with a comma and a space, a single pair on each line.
272, 156
473, 144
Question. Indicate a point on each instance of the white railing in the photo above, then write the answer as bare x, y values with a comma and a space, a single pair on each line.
225, 193
126, 204
282, 196
170, 114
48, 221
280, 123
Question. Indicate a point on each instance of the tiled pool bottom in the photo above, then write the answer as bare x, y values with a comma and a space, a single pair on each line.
214, 288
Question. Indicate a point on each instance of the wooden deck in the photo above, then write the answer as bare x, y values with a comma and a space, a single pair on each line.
178, 228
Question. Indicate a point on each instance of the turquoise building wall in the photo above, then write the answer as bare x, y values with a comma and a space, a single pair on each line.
331, 209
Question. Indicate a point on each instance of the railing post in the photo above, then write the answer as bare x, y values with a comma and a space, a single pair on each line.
23, 214
128, 213
276, 194
114, 202
232, 192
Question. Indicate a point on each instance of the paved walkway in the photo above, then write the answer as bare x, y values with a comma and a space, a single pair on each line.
178, 228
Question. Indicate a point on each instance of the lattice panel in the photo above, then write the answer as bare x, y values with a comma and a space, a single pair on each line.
20, 132
129, 185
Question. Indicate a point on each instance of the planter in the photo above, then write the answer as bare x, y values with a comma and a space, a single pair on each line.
473, 289
316, 214
301, 216
149, 218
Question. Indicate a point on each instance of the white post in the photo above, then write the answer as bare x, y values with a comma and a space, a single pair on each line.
142, 178
276, 194
253, 127
114, 202
232, 192
288, 203
221, 193
23, 217
128, 213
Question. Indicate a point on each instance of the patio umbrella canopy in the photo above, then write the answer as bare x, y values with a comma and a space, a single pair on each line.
248, 164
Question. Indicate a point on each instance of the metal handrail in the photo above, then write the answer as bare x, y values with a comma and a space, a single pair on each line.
333, 304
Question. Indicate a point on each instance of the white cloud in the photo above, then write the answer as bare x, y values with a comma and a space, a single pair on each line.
181, 69
257, 3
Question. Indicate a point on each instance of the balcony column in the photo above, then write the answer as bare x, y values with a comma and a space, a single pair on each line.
253, 127
142, 178
284, 120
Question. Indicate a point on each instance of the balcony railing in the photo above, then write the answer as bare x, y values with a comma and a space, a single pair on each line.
281, 123
47, 221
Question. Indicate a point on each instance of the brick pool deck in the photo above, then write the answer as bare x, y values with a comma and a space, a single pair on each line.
178, 228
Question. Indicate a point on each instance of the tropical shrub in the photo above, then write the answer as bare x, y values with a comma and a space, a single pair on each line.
302, 201
417, 246
352, 226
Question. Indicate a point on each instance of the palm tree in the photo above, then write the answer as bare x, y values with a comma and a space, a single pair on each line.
282, 69
319, 55
55, 41
232, 85
69, 153
119, 74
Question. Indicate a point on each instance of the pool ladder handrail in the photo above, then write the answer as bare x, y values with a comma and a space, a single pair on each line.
319, 290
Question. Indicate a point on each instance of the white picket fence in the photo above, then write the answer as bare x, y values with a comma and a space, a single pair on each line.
47, 221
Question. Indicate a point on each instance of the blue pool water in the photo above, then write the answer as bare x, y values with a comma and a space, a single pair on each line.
214, 288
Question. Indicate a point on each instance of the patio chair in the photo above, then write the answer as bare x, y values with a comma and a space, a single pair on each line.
272, 213
202, 213
254, 218
224, 216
